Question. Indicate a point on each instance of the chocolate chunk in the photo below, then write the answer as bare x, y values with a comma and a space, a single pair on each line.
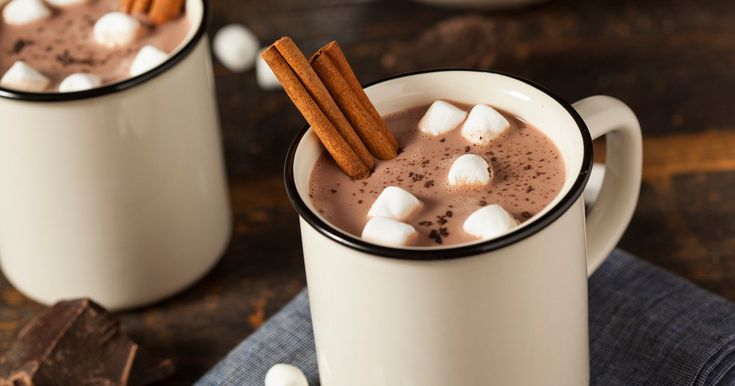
464, 41
66, 59
77, 342
19, 45
434, 235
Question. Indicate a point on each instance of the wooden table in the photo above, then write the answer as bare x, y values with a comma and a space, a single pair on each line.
672, 61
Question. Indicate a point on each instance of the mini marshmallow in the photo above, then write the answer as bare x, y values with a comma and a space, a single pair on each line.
442, 117
387, 231
396, 203
483, 124
266, 78
148, 58
19, 12
283, 374
116, 29
65, 3
236, 47
79, 82
21, 76
489, 222
469, 169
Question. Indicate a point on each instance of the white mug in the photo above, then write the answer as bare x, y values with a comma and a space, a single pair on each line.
508, 311
116, 193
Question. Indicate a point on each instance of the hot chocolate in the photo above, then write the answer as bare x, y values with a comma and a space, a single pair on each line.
73, 39
526, 170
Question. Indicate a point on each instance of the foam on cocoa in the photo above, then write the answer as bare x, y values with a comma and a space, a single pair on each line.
63, 44
528, 174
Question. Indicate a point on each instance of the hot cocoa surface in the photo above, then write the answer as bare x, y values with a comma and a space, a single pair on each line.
63, 44
528, 174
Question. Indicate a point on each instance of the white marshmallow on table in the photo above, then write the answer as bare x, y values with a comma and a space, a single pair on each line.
236, 47
387, 231
18, 12
489, 222
21, 76
79, 82
266, 78
396, 203
65, 3
440, 118
469, 169
116, 29
483, 124
148, 58
283, 374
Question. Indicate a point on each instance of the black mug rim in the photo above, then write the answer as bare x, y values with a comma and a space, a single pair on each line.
122, 85
461, 251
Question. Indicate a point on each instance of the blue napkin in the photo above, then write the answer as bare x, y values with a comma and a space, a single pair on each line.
647, 327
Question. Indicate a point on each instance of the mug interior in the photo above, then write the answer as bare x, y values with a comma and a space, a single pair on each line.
196, 12
547, 112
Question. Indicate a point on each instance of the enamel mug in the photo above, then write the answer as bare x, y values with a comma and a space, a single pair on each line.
508, 311
116, 193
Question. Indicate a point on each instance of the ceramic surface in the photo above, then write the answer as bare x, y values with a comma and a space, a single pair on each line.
510, 311
118, 194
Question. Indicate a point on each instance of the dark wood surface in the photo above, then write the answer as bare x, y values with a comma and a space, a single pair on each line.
672, 61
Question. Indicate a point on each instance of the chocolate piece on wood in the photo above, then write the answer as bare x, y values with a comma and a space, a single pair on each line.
77, 342
464, 41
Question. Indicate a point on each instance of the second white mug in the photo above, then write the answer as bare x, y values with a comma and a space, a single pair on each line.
116, 193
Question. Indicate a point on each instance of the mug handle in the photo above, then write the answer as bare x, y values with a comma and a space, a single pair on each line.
610, 215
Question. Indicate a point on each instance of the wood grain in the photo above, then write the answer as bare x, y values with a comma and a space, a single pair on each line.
671, 61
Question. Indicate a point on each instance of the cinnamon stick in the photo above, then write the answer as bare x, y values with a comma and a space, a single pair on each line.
127, 5
313, 84
335, 53
364, 122
344, 155
141, 6
162, 11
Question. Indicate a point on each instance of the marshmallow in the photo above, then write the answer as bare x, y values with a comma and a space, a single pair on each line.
396, 203
25, 11
489, 222
266, 78
469, 169
236, 47
483, 124
116, 29
148, 58
283, 374
65, 3
21, 76
441, 118
387, 231
79, 82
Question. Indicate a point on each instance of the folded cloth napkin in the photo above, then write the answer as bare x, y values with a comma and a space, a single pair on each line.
647, 327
